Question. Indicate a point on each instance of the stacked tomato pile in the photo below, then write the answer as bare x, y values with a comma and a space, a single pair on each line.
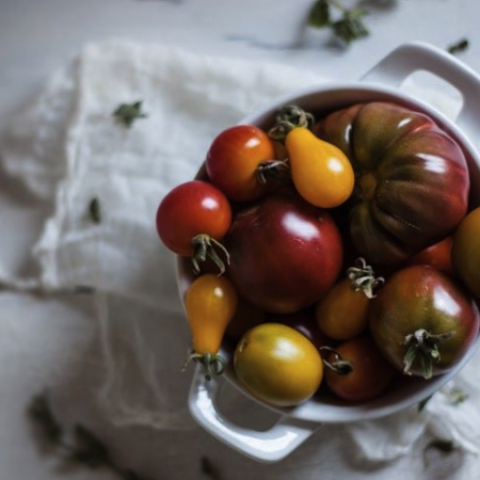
289, 230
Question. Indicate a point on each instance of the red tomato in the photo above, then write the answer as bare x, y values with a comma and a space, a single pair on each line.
191, 214
371, 374
285, 253
438, 255
233, 161
246, 317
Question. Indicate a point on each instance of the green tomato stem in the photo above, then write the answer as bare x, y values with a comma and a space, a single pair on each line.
204, 246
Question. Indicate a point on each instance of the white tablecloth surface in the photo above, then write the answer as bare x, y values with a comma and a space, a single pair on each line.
35, 39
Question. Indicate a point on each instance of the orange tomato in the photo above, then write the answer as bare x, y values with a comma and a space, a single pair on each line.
342, 314
321, 172
210, 303
438, 256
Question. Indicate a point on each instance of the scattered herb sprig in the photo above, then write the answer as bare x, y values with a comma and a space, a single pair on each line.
127, 113
79, 447
347, 28
459, 47
94, 210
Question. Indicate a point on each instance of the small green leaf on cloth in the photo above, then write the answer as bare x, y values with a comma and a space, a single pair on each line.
320, 14
127, 113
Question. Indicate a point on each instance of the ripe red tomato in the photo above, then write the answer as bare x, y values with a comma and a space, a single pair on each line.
285, 253
371, 374
438, 255
423, 321
233, 160
193, 216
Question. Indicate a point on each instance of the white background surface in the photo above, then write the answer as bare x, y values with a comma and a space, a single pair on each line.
36, 36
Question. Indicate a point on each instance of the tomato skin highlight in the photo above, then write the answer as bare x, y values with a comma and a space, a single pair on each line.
343, 313
321, 172
210, 302
285, 253
233, 159
278, 365
192, 208
371, 374
421, 297
466, 251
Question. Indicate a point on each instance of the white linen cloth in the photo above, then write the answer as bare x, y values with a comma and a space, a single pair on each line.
68, 149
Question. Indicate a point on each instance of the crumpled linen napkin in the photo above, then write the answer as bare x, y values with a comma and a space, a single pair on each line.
68, 149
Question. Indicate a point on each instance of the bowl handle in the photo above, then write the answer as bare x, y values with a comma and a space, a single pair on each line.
415, 56
265, 446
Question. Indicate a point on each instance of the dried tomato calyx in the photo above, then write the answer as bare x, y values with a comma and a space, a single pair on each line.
340, 366
213, 363
363, 278
287, 119
278, 170
424, 346
204, 246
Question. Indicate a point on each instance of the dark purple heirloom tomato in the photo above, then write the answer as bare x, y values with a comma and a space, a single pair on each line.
423, 320
412, 181
285, 253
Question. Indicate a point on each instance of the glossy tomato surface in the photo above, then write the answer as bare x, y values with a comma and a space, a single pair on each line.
466, 251
192, 208
423, 298
278, 365
343, 313
233, 159
371, 373
285, 253
438, 255
412, 181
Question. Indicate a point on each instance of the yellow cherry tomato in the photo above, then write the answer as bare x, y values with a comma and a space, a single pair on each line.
342, 314
321, 173
210, 302
278, 365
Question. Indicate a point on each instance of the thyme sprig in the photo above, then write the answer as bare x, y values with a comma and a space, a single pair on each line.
348, 27
79, 447
458, 47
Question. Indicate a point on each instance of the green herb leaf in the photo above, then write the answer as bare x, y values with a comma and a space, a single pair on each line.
89, 450
421, 405
320, 14
40, 412
208, 469
127, 113
459, 46
350, 27
94, 210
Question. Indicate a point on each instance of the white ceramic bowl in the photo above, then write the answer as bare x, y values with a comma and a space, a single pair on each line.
382, 83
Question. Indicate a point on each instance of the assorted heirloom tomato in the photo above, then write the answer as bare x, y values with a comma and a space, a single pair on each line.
423, 321
321, 172
239, 162
278, 365
466, 251
210, 303
285, 253
290, 222
192, 218
343, 313
358, 372
412, 182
